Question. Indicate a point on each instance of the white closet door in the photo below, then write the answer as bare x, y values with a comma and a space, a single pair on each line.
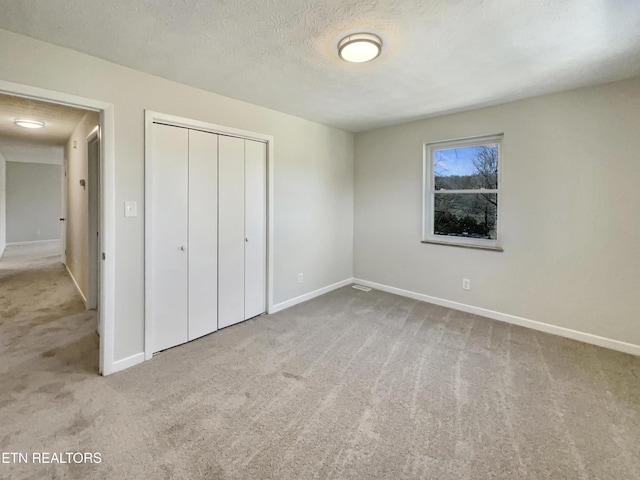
231, 237
255, 271
169, 192
203, 233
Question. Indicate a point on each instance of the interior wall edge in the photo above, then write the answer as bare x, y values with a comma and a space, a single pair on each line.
308, 296
583, 337
35, 242
75, 284
3, 203
124, 363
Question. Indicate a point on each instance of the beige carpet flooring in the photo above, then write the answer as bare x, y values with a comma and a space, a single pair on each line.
40, 311
351, 385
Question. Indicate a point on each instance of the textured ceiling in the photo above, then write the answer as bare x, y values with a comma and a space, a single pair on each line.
439, 55
60, 121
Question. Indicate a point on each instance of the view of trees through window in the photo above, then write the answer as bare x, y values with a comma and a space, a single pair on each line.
466, 191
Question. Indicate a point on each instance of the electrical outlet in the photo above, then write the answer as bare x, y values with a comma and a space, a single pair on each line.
38, 232
466, 284
300, 278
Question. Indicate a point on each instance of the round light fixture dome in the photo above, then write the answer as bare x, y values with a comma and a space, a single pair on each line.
27, 123
360, 47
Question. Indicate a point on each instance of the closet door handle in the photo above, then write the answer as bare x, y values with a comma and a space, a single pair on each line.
246, 239
183, 248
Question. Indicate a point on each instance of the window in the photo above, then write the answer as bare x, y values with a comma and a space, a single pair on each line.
461, 192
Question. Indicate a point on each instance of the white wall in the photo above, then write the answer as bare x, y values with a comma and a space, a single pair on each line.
33, 195
3, 204
313, 171
19, 150
570, 211
77, 214
29, 213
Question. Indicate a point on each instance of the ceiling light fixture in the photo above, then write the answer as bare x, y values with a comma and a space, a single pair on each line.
360, 47
26, 123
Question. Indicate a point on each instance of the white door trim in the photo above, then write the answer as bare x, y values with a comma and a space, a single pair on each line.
63, 213
152, 117
107, 272
93, 178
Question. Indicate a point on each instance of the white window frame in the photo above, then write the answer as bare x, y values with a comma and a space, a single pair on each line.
428, 193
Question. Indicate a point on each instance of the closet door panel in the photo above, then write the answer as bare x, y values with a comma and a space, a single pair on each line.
168, 242
231, 238
255, 228
203, 233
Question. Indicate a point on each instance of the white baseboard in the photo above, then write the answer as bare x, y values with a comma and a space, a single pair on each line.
505, 317
34, 242
75, 284
125, 363
308, 296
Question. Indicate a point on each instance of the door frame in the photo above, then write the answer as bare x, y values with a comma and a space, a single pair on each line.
63, 212
106, 301
93, 220
152, 117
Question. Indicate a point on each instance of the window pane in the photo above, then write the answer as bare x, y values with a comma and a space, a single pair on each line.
466, 168
471, 215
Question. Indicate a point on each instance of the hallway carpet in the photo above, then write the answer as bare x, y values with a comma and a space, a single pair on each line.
41, 313
350, 385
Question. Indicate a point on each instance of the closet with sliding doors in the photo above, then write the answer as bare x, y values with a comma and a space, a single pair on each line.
206, 230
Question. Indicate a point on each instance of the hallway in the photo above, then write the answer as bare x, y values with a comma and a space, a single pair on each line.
43, 322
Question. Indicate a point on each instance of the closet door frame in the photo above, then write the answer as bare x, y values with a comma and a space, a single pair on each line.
152, 117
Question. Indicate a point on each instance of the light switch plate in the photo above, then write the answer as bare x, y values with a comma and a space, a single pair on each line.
130, 209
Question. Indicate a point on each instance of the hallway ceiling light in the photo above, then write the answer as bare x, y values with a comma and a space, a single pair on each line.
26, 123
360, 47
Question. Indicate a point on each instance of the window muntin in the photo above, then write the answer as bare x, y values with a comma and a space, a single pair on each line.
462, 192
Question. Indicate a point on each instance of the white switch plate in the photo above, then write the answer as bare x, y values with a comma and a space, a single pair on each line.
130, 209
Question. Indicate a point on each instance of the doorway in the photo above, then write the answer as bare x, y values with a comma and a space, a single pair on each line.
95, 282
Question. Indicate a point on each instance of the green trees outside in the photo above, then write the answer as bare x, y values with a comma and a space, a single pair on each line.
472, 213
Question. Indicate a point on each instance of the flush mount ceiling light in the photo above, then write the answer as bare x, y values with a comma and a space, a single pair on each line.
26, 123
360, 47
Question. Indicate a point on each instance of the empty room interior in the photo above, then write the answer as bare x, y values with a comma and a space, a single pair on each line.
341, 240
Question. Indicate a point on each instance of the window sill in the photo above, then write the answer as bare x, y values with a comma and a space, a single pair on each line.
465, 245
